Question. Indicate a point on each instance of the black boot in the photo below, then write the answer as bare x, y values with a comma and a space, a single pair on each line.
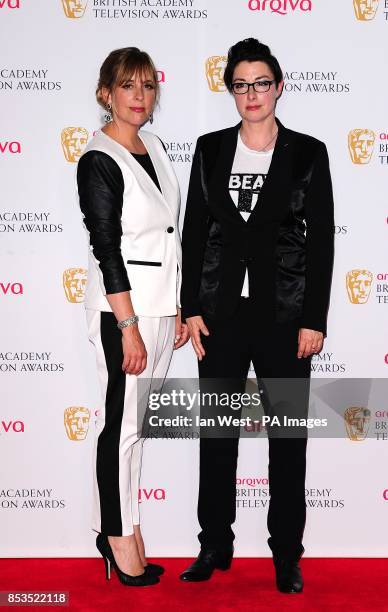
207, 561
288, 575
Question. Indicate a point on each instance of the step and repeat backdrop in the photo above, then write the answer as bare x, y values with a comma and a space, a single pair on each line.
333, 54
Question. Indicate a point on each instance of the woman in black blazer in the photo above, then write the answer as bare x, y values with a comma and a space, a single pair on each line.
257, 263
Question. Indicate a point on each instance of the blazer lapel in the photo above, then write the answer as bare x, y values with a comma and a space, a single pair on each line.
277, 182
222, 170
164, 172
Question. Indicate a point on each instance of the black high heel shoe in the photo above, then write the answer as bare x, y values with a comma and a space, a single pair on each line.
106, 552
154, 569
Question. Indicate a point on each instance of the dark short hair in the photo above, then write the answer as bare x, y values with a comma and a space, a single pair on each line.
250, 50
120, 66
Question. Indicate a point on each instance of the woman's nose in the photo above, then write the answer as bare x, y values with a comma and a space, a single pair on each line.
251, 94
139, 94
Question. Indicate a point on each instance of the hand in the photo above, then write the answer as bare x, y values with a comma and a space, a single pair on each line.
134, 351
181, 331
309, 342
197, 326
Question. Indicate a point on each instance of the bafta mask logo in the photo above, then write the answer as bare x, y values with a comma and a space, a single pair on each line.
74, 141
74, 284
365, 9
215, 68
74, 9
358, 285
357, 422
361, 144
76, 421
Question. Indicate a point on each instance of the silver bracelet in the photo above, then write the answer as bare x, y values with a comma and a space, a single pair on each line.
127, 322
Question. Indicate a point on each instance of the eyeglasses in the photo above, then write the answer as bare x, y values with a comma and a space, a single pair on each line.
258, 86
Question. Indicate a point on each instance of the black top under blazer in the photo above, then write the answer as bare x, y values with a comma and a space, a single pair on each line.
287, 244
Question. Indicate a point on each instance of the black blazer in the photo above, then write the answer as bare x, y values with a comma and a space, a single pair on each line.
287, 243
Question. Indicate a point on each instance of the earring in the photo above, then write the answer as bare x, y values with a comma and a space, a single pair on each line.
108, 114
151, 118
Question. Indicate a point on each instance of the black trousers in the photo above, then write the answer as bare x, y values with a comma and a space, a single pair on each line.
272, 347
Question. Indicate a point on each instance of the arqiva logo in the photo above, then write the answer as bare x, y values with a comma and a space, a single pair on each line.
147, 494
10, 146
280, 6
11, 4
15, 426
15, 288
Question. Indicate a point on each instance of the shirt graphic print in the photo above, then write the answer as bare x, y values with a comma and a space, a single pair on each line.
245, 188
249, 171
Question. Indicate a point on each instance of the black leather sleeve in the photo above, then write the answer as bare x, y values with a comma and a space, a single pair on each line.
319, 211
194, 235
100, 188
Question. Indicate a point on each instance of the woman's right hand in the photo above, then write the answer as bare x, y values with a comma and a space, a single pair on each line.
134, 351
197, 326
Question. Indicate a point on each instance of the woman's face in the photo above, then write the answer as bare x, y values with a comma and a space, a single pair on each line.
134, 100
255, 106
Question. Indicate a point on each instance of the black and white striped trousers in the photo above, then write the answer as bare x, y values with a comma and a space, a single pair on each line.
118, 443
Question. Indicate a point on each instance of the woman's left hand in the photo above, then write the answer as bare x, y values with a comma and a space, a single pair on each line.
309, 342
181, 331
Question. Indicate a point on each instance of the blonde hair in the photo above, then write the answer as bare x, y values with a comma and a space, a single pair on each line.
120, 66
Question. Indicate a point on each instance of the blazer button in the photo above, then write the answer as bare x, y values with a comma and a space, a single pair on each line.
170, 229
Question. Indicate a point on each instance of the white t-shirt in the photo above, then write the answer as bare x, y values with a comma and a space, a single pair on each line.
249, 171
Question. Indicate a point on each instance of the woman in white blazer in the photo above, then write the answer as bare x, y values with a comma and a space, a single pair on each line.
129, 197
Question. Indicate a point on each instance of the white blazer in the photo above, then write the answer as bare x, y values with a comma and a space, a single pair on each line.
150, 243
